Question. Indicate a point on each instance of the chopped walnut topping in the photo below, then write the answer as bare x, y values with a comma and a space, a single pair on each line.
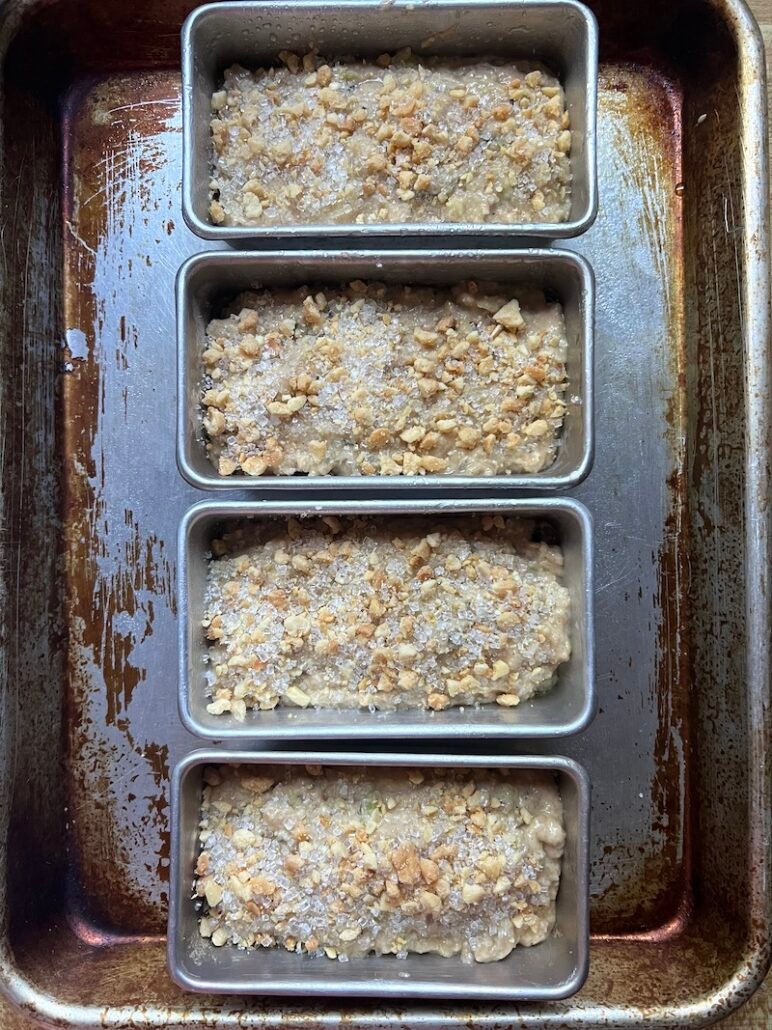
411, 140
284, 597
396, 380
374, 870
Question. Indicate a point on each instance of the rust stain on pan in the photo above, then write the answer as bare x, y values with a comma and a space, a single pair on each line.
674, 684
141, 568
117, 571
651, 105
643, 108
670, 788
158, 757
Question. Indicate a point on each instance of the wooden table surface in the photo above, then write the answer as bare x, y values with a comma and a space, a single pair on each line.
757, 1014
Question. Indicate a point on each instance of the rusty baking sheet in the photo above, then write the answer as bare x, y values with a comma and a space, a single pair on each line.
678, 755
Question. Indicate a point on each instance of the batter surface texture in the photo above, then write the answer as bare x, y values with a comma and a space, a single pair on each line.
383, 614
399, 140
344, 862
368, 379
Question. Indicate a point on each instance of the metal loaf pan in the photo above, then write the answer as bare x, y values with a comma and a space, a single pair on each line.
567, 708
207, 282
561, 33
556, 968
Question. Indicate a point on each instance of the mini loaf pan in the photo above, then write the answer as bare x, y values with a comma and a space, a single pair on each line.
565, 709
562, 34
207, 282
554, 969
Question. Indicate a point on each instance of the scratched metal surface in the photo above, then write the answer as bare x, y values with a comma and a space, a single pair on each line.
93, 237
123, 244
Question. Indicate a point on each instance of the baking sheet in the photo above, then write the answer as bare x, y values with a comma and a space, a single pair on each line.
124, 663
92, 239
